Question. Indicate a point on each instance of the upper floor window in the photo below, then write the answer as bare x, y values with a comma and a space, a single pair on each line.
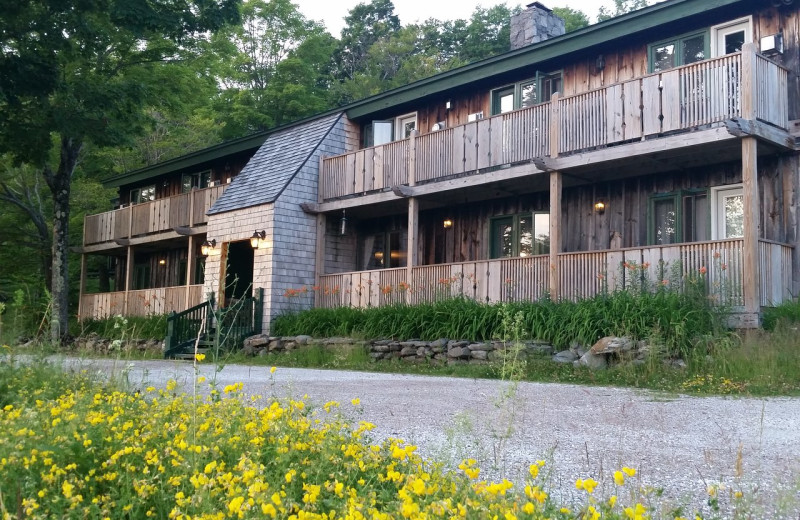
526, 93
195, 180
525, 234
681, 50
719, 40
382, 132
143, 194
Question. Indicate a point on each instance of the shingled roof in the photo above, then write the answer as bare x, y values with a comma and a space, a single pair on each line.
274, 165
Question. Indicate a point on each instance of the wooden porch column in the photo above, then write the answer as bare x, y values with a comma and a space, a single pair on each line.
413, 239
190, 266
82, 287
128, 279
555, 125
555, 232
319, 262
752, 297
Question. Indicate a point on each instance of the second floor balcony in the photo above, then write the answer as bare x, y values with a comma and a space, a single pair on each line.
744, 86
181, 212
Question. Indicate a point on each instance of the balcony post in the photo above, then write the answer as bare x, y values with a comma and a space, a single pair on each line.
319, 262
321, 183
752, 299
128, 280
412, 158
556, 185
749, 82
190, 267
82, 287
555, 124
413, 238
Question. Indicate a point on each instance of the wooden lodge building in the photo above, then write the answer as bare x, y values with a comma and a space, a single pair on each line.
662, 141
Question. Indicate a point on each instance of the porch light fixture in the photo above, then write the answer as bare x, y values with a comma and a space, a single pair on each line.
600, 63
207, 247
600, 207
343, 224
258, 239
162, 261
448, 223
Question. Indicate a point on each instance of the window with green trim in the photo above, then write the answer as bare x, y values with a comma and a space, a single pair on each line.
141, 276
679, 216
525, 234
677, 51
529, 92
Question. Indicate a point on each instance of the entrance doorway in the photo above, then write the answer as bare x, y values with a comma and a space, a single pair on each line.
238, 266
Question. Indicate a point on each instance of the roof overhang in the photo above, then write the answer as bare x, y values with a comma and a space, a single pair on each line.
577, 41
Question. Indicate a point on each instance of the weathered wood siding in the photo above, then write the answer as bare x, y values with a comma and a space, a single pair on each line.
626, 202
622, 63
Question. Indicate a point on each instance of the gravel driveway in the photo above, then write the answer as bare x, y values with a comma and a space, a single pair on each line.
679, 444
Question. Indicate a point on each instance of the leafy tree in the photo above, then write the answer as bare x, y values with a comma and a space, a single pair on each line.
253, 57
487, 34
573, 19
79, 72
365, 24
620, 7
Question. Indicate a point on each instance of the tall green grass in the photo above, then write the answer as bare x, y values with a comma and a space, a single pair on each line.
679, 320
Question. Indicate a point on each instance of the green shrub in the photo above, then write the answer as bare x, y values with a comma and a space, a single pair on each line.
675, 318
135, 327
788, 312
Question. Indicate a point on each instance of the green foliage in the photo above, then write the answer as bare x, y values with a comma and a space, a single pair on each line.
787, 313
679, 319
131, 327
620, 7
573, 19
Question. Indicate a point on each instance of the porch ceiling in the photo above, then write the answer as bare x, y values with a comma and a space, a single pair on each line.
169, 240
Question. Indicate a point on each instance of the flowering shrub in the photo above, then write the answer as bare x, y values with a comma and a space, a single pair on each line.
72, 448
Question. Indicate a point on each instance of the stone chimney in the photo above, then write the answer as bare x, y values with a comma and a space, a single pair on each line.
535, 24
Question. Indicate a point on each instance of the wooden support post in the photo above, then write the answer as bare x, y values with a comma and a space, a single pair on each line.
321, 183
190, 267
82, 287
192, 196
319, 262
555, 125
749, 82
128, 280
752, 297
555, 233
413, 240
412, 158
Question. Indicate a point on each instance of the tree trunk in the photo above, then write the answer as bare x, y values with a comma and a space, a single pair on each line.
60, 183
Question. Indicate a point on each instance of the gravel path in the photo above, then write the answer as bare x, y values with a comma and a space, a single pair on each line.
679, 444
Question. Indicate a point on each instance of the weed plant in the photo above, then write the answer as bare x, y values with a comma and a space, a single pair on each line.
134, 327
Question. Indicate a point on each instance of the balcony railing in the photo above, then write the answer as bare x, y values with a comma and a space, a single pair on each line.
184, 210
717, 264
682, 98
143, 302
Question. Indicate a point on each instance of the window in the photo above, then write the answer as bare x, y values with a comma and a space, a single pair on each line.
195, 180
729, 37
526, 93
681, 50
141, 276
143, 194
404, 125
384, 250
681, 216
526, 234
382, 132
727, 218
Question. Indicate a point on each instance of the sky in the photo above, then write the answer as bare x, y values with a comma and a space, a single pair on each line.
332, 12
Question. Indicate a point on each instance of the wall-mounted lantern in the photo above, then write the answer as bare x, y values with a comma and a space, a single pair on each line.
343, 224
258, 239
208, 247
448, 223
600, 207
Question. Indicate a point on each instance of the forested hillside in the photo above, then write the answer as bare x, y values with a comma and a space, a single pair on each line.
95, 89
